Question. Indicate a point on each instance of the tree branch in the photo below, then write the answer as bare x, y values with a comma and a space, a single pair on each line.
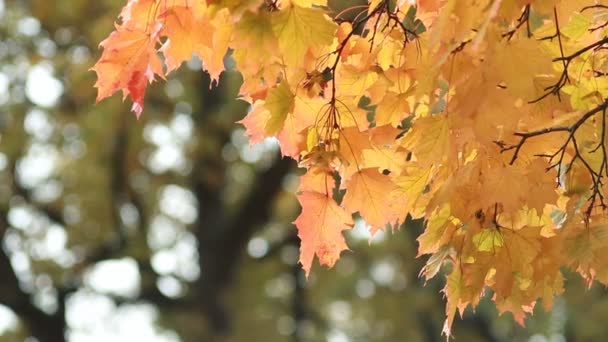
43, 326
596, 175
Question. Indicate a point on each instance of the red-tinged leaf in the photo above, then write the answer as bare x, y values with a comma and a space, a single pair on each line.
320, 227
128, 63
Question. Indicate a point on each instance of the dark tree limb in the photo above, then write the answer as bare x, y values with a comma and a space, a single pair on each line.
298, 305
222, 234
44, 327
523, 19
221, 247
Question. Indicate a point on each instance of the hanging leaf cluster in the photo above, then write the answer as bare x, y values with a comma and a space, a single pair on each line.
487, 118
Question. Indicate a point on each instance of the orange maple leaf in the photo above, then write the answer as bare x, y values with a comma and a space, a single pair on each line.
128, 63
317, 181
255, 122
320, 227
186, 33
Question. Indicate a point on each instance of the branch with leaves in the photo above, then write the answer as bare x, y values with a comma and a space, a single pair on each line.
566, 60
557, 159
403, 130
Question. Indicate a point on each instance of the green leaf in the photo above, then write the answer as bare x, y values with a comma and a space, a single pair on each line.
412, 24
577, 26
279, 103
488, 239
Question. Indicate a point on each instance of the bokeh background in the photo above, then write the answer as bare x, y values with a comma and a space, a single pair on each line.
173, 228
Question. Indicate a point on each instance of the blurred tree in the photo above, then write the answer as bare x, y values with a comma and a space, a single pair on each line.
172, 227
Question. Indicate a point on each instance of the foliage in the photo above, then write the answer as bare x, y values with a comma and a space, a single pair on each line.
487, 118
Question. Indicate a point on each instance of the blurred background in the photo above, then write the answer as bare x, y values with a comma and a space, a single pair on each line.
173, 228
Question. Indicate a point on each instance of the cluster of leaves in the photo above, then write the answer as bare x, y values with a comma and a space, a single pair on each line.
485, 117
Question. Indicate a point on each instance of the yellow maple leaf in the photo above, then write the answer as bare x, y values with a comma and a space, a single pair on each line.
384, 158
429, 242
392, 109
428, 139
518, 63
298, 29
434, 263
352, 143
353, 83
411, 187
488, 240
453, 291
279, 103
368, 192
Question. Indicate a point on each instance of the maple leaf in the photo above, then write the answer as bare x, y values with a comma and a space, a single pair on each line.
411, 187
519, 64
351, 147
255, 122
136, 13
317, 181
187, 32
291, 139
436, 226
259, 68
384, 158
428, 139
213, 55
298, 29
435, 262
503, 184
354, 83
392, 110
488, 240
279, 102
453, 291
320, 227
586, 249
129, 62
368, 192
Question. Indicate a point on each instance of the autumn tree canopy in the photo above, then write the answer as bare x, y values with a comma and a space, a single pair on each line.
487, 118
